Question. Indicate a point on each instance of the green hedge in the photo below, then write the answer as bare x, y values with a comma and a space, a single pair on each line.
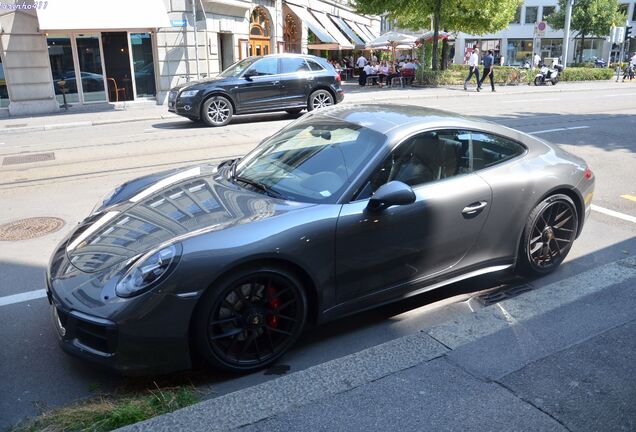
456, 74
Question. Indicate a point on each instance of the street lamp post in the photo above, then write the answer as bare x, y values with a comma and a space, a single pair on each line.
566, 31
196, 43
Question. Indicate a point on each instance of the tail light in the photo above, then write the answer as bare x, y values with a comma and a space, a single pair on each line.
338, 79
588, 173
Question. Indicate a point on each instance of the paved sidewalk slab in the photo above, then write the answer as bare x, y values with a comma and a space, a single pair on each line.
588, 387
433, 396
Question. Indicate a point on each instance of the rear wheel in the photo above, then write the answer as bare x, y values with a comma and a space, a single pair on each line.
319, 99
548, 235
217, 111
250, 319
555, 80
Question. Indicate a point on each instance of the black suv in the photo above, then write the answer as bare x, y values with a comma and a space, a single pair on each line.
280, 82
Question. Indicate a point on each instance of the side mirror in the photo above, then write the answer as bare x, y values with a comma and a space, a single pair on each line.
391, 193
248, 75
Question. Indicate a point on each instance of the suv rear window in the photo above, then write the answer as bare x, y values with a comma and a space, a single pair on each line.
293, 64
314, 66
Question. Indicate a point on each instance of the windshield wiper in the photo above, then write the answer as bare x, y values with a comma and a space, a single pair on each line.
260, 186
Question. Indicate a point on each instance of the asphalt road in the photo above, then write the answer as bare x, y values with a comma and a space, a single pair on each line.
34, 374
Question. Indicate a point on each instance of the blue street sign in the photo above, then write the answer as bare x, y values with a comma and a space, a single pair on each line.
179, 23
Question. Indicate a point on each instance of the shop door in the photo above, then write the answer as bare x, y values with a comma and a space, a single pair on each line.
226, 50
117, 63
89, 60
143, 65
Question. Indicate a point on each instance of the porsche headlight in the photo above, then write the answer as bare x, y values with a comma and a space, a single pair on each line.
146, 271
188, 93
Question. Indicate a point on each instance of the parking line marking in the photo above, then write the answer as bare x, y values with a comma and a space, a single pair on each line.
615, 214
558, 130
22, 297
629, 197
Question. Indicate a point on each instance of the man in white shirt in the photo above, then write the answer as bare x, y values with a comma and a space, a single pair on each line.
374, 59
361, 63
409, 65
473, 69
536, 60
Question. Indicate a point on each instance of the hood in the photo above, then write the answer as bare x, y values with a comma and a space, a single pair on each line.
189, 202
199, 84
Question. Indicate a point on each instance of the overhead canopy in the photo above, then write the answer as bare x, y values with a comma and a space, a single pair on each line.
312, 23
361, 34
391, 39
347, 30
332, 29
371, 31
103, 15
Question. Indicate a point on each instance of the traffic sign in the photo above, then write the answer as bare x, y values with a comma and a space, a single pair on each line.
540, 28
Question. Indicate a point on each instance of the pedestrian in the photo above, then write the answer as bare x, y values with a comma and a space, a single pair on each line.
489, 71
537, 60
361, 63
473, 68
374, 59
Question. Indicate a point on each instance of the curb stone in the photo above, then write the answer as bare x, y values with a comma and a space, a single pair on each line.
343, 374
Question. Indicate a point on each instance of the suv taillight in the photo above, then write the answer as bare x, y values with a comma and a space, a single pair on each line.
338, 77
588, 173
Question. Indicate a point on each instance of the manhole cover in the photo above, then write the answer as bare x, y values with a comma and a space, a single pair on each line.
37, 157
25, 229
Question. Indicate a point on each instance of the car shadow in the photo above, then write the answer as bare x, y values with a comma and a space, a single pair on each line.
236, 120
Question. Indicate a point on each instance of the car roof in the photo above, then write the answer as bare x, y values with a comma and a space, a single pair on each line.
398, 121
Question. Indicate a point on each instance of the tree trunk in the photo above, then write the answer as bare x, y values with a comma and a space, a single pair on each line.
436, 17
582, 48
445, 53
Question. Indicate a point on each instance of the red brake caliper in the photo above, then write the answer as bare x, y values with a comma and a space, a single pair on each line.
274, 304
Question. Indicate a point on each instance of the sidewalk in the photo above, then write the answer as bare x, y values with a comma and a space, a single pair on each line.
557, 358
109, 113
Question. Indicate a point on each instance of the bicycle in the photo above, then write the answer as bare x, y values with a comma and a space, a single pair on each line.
517, 76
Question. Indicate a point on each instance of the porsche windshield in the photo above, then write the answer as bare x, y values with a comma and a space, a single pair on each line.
310, 161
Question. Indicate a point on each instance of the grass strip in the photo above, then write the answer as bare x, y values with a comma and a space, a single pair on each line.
105, 413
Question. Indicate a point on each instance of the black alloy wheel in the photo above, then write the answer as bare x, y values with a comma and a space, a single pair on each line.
251, 319
548, 236
217, 111
319, 99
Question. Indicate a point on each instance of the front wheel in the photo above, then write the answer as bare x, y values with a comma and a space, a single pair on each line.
319, 99
217, 111
548, 235
537, 81
250, 319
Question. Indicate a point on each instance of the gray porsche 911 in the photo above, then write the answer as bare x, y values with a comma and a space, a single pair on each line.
346, 208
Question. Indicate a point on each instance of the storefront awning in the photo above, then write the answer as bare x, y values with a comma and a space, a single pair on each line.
323, 19
312, 23
103, 15
347, 30
361, 34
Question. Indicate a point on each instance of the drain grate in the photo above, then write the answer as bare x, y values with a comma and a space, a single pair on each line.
37, 157
25, 229
503, 294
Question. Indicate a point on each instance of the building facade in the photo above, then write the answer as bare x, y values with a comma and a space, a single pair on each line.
126, 51
522, 39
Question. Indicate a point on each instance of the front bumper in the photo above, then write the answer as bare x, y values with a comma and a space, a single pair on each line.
186, 107
153, 340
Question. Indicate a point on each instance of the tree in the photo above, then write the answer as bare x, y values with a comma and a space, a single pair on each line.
469, 16
589, 18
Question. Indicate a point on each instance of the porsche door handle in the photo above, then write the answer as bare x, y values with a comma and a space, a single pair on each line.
474, 208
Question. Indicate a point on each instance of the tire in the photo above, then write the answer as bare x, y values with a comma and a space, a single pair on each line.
293, 111
319, 99
537, 81
555, 81
548, 236
217, 111
250, 318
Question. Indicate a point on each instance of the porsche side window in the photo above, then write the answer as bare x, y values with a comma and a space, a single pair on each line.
490, 149
424, 158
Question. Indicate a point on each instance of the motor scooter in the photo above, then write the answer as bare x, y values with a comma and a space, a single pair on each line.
547, 74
